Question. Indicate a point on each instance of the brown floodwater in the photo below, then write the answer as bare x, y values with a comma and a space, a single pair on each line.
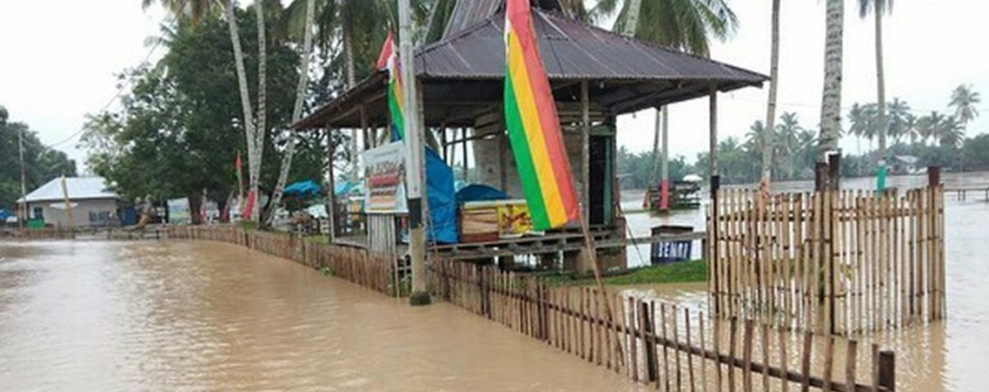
193, 316
942, 356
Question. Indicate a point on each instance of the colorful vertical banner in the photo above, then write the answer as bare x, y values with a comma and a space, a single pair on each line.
533, 125
388, 59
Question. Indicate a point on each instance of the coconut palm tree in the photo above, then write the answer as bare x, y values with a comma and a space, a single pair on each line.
877, 8
963, 99
300, 95
686, 25
786, 138
930, 127
831, 95
774, 59
897, 119
949, 133
196, 9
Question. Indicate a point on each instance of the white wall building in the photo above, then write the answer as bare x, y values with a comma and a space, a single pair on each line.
93, 205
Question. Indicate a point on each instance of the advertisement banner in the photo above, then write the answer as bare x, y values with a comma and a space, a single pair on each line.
384, 171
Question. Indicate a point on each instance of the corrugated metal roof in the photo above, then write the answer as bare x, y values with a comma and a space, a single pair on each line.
79, 188
461, 74
570, 50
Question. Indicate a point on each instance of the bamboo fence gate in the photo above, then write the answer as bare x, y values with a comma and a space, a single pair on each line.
350, 263
841, 262
659, 344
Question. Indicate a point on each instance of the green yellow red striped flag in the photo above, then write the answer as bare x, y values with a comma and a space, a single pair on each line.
388, 59
534, 127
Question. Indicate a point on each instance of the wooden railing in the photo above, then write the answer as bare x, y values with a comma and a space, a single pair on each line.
660, 344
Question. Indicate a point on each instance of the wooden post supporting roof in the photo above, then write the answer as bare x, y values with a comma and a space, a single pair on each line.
464, 132
713, 112
331, 189
585, 155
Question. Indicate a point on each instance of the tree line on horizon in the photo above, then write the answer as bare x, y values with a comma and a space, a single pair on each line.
933, 139
41, 163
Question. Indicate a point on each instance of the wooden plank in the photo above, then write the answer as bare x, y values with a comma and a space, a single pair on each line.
690, 357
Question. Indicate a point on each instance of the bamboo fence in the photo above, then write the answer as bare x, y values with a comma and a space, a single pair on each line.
350, 263
658, 344
841, 262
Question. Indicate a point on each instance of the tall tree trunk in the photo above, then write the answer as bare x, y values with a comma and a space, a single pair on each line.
245, 97
774, 61
881, 86
880, 78
632, 19
831, 95
348, 49
261, 127
300, 95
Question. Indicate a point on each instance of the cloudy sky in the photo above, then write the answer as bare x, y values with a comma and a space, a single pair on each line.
59, 61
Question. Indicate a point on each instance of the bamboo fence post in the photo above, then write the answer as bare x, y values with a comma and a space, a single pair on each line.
716, 325
828, 362
850, 363
747, 357
875, 367
733, 337
653, 343
765, 357
677, 348
690, 356
784, 359
633, 310
700, 327
583, 317
666, 344
805, 361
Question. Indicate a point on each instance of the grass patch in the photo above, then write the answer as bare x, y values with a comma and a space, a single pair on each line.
682, 272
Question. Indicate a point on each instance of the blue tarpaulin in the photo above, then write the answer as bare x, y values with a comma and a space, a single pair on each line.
440, 196
4, 214
303, 188
478, 192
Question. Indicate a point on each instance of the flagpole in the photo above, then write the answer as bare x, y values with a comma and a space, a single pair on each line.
413, 167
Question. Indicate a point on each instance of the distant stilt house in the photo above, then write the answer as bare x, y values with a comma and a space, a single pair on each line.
92, 203
595, 75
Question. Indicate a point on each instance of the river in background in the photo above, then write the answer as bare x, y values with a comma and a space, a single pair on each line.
194, 316
944, 355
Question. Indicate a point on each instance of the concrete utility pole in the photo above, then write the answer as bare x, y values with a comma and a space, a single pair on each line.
22, 208
413, 163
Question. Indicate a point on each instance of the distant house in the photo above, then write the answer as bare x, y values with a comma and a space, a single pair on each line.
904, 164
93, 205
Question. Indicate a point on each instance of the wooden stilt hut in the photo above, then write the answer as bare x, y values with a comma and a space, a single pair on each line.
595, 75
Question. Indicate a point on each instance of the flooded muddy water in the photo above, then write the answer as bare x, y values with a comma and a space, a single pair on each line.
192, 316
942, 356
